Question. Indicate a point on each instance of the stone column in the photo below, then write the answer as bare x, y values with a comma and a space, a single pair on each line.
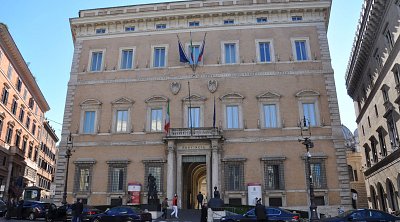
209, 170
179, 179
171, 169
215, 164
10, 166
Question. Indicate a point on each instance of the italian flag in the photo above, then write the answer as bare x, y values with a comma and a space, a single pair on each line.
167, 124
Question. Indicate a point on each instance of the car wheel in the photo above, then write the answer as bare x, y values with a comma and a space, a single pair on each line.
31, 216
96, 220
49, 219
7, 215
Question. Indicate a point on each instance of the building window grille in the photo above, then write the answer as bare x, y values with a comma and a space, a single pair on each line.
234, 176
274, 175
318, 173
117, 177
157, 171
83, 177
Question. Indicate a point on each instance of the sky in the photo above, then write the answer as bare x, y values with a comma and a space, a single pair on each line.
42, 33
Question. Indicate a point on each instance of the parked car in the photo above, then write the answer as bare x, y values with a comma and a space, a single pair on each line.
54, 213
123, 214
30, 210
274, 214
3, 208
87, 214
363, 215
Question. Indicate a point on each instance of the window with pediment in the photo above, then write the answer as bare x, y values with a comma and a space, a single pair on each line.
308, 102
194, 111
83, 175
233, 111
90, 111
122, 109
156, 110
268, 103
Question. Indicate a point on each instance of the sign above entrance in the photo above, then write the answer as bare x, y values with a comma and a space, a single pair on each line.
194, 159
194, 147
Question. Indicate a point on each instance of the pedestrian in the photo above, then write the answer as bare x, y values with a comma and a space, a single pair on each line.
260, 212
20, 209
340, 210
73, 209
164, 207
78, 211
175, 206
200, 198
204, 213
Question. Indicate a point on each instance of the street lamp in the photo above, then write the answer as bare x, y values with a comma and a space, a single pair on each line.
305, 132
68, 153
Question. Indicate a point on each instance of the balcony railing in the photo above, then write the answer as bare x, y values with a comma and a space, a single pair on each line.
194, 132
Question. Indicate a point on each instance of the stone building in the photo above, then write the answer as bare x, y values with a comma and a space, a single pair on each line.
373, 82
235, 121
22, 109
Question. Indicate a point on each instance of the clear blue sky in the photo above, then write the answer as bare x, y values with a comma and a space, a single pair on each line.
42, 33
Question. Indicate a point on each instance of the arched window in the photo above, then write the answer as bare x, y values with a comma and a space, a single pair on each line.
382, 199
392, 197
373, 197
351, 175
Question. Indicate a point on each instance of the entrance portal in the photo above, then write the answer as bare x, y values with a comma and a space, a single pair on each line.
194, 180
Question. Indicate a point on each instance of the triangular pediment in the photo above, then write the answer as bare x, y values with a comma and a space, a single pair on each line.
90, 102
233, 95
194, 97
269, 95
122, 100
156, 99
307, 93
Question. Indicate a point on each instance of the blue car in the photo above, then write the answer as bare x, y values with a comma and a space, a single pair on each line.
363, 215
274, 214
123, 214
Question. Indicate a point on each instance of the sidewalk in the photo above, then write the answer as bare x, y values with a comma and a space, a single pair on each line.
184, 216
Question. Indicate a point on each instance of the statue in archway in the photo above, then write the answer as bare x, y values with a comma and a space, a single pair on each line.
152, 187
216, 193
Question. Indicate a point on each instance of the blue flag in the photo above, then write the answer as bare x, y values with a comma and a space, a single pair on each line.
182, 55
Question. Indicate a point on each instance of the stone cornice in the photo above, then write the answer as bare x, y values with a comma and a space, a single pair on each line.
369, 25
19, 64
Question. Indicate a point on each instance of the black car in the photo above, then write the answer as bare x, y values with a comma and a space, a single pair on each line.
363, 215
123, 214
30, 210
274, 214
87, 214
64, 213
3, 208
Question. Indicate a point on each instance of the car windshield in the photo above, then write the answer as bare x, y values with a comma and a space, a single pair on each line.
345, 214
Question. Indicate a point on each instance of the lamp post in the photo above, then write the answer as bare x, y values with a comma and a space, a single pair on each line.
306, 141
68, 153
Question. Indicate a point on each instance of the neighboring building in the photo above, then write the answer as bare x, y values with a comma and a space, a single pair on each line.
47, 160
355, 162
22, 108
373, 82
266, 63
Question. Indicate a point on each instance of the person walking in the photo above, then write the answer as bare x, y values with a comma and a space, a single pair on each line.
79, 210
200, 198
175, 206
260, 212
204, 213
164, 207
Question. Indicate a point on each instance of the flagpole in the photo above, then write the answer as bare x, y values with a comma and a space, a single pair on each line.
214, 115
190, 112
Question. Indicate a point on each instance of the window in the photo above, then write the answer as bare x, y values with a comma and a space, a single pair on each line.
31, 103
24, 142
309, 114
17, 138
262, 20
382, 142
4, 95
156, 120
156, 169
127, 59
82, 178
30, 150
373, 150
376, 111
378, 59
194, 24
350, 171
122, 121
367, 157
33, 129
274, 175
196, 53
19, 85
159, 57
14, 106
270, 116
1, 55
301, 50
389, 39
194, 117
129, 28
10, 71
1, 126
161, 26
28, 122
234, 176
385, 94
230, 53
232, 117
229, 22
21, 115
100, 31
396, 72
297, 18
89, 122
318, 173
9, 132
117, 177
35, 155
264, 52
96, 61
392, 128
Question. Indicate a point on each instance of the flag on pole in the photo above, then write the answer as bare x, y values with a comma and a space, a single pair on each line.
167, 124
182, 55
200, 57
191, 49
214, 116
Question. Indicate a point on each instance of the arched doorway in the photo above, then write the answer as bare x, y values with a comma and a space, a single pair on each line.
392, 198
194, 174
382, 199
373, 197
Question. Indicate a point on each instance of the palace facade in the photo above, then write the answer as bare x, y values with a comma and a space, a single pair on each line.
235, 120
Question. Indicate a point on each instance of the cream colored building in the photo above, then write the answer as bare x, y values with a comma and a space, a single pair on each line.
266, 63
372, 81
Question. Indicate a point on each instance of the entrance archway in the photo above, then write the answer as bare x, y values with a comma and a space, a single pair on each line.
194, 172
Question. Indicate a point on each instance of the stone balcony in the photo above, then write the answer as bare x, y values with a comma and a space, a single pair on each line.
194, 133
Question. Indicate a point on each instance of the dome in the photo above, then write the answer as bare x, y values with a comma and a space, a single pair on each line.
349, 139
